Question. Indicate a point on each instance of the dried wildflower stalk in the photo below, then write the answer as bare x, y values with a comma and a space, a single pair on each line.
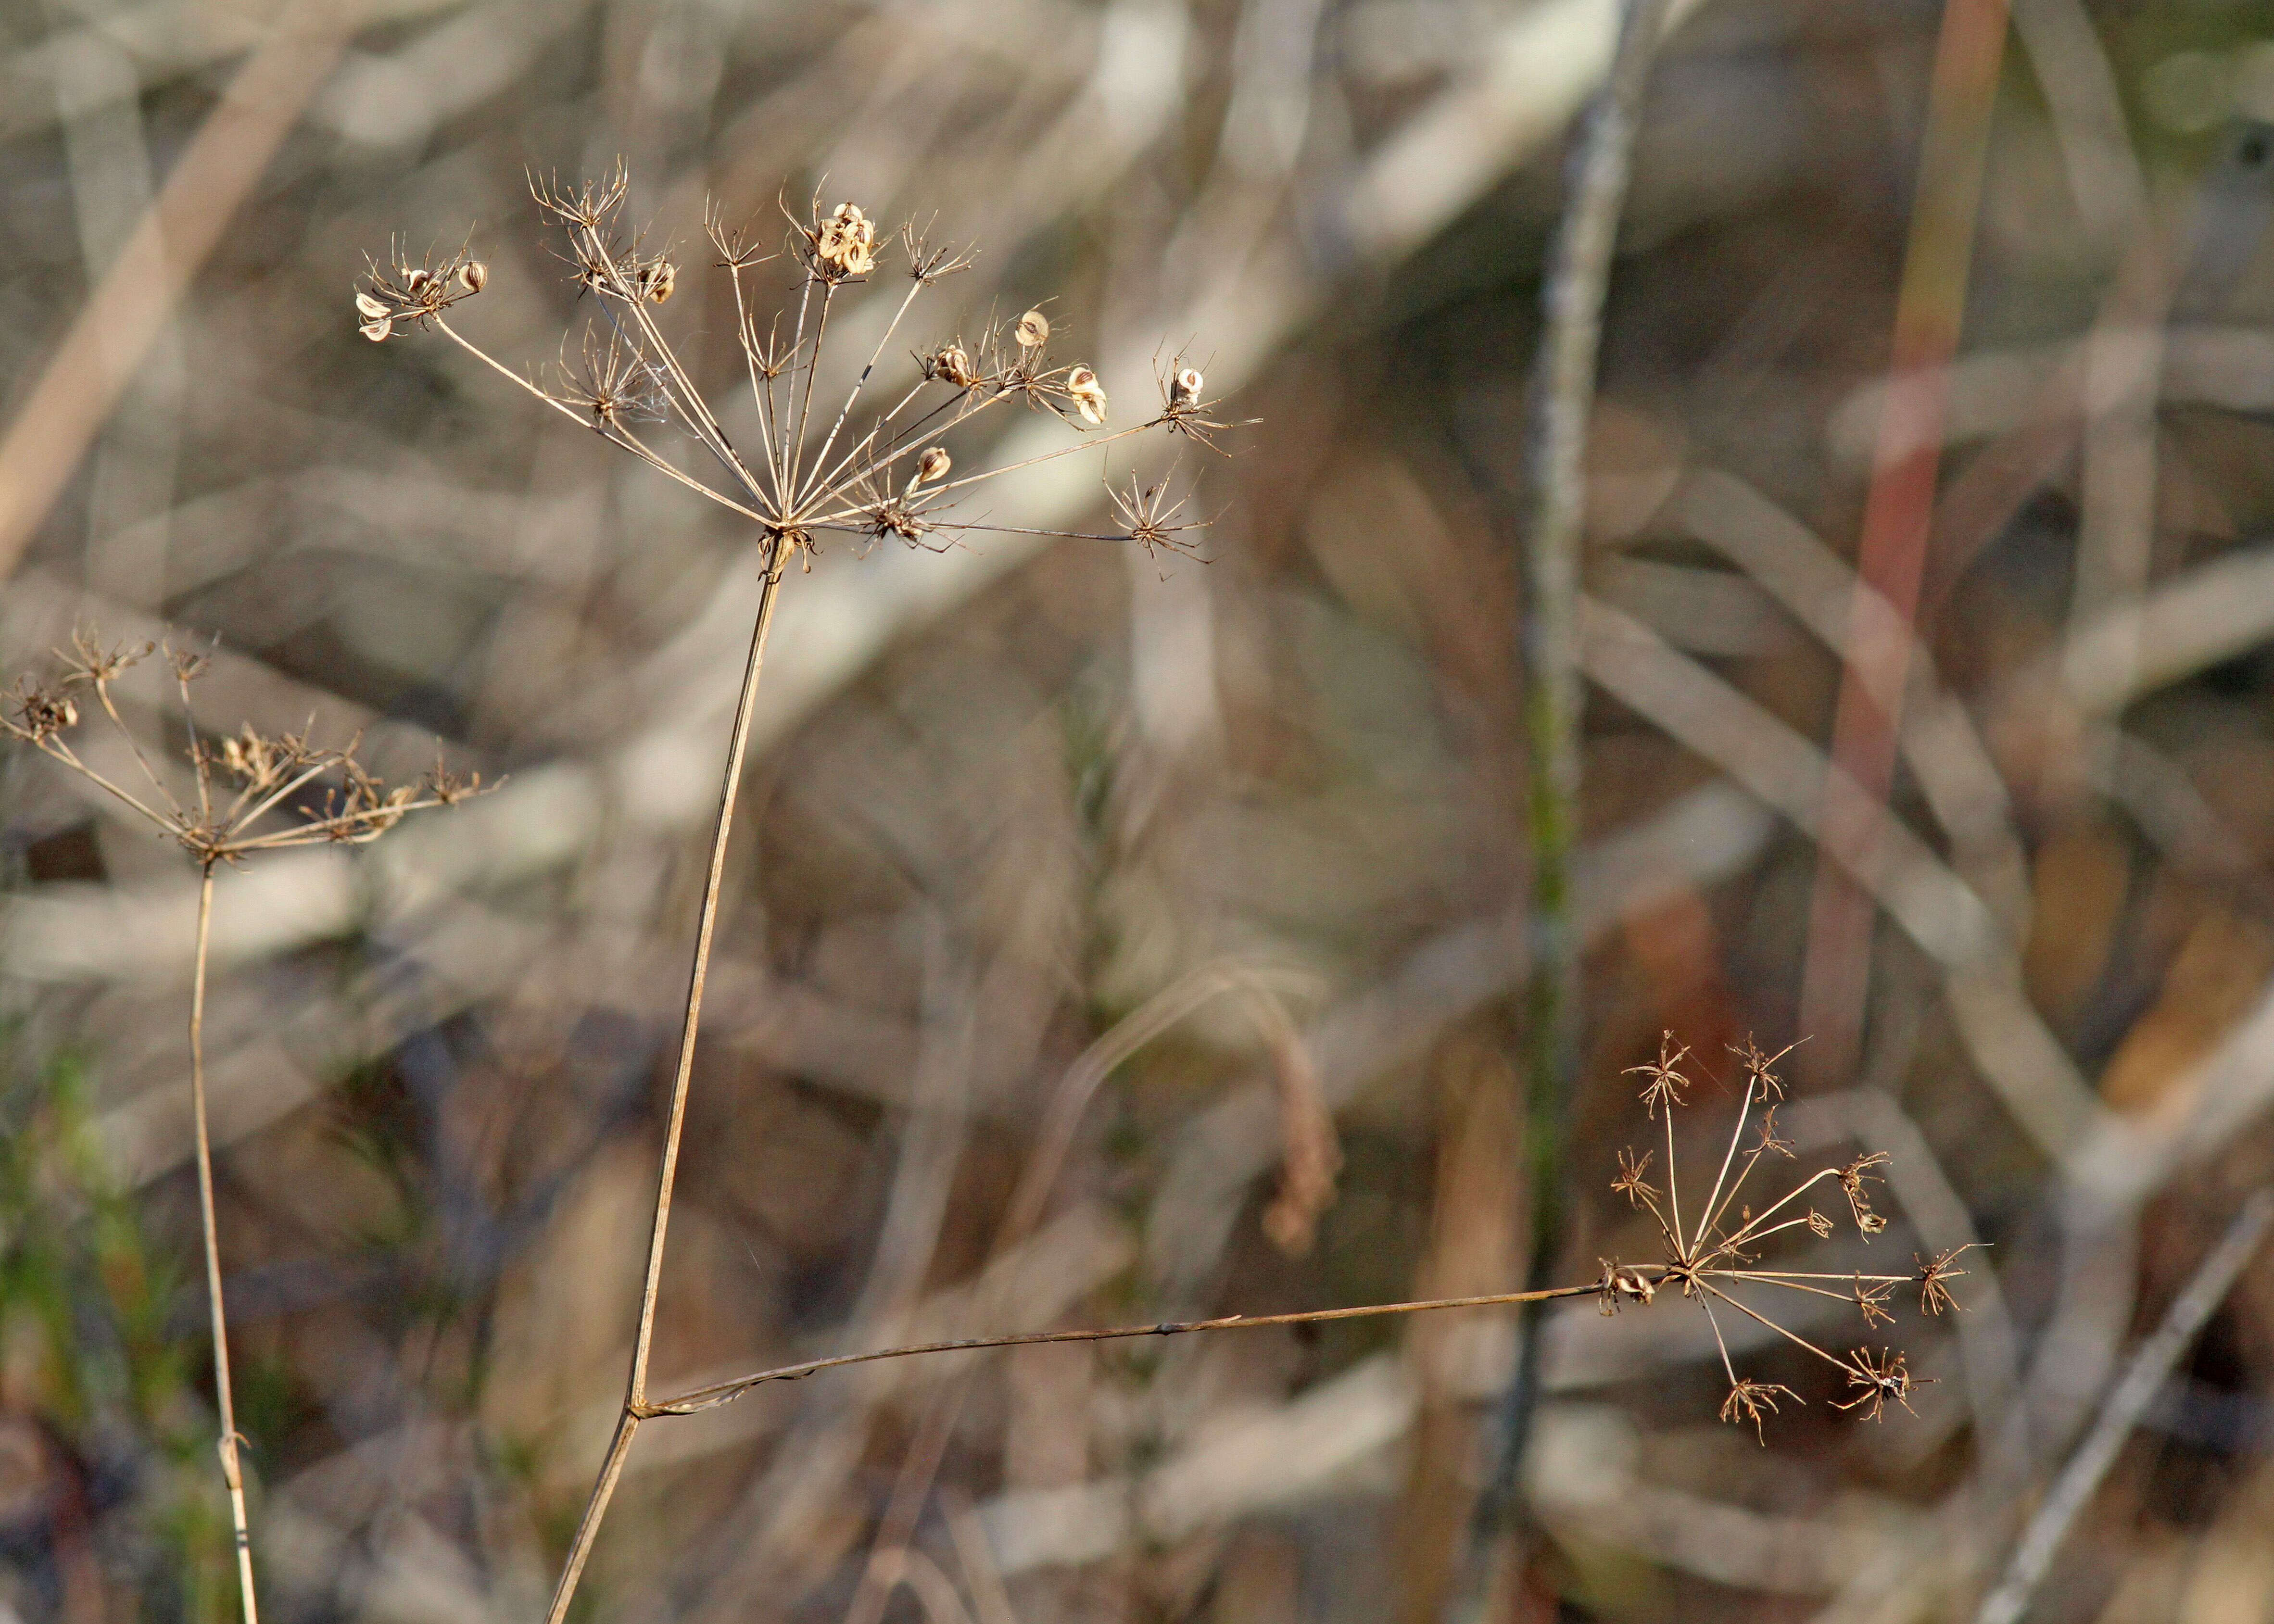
889, 475
289, 793
1704, 1260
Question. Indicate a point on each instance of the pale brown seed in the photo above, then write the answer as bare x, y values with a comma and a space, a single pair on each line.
1032, 330
954, 366
368, 307
377, 330
1187, 389
1087, 395
934, 464
474, 275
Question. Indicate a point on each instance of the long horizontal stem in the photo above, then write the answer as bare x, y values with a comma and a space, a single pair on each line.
726, 1392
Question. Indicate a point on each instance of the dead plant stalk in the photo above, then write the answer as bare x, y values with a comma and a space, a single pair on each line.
278, 775
891, 478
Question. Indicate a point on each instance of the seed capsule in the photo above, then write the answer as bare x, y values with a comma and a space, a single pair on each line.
378, 329
369, 308
954, 366
474, 275
1187, 389
934, 464
1033, 331
1087, 394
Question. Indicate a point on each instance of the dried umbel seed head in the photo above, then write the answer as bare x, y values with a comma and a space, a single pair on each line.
1087, 394
1185, 390
473, 276
45, 713
1032, 330
933, 464
949, 363
846, 241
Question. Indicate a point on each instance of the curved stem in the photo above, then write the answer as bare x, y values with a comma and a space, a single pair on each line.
636, 1386
230, 1471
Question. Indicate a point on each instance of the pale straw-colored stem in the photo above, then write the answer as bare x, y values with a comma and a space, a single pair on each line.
726, 1392
230, 1470
636, 1386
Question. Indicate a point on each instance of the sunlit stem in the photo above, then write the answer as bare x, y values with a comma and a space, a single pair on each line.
231, 1471
830, 439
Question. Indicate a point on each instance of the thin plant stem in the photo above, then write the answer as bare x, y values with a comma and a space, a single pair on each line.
231, 1472
1563, 396
636, 1406
725, 1392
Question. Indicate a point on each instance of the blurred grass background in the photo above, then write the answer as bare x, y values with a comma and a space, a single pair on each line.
1009, 796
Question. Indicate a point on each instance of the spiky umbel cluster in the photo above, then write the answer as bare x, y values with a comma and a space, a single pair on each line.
888, 476
252, 792
1714, 1253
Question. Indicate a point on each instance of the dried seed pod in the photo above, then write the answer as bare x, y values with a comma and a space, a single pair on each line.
1087, 394
415, 276
1184, 392
933, 464
1032, 330
369, 308
474, 275
656, 281
950, 363
846, 240
377, 330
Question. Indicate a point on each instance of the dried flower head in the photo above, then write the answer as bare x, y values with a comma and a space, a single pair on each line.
656, 279
277, 779
846, 240
414, 294
1619, 1282
1881, 1379
1765, 1084
1665, 1084
1631, 1182
1087, 395
1852, 1180
812, 467
950, 365
1934, 1273
1712, 1253
1185, 389
1747, 1401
